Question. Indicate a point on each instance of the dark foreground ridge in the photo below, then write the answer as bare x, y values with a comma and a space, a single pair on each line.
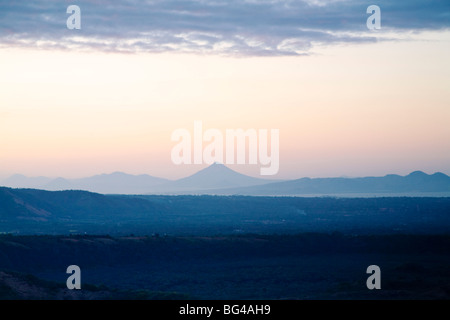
21, 286
30, 211
303, 266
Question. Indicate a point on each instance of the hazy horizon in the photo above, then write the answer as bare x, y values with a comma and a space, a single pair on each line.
202, 167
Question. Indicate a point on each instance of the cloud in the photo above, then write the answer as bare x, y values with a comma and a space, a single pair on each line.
225, 27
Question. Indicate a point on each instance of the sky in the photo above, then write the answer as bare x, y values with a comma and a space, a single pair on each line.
347, 101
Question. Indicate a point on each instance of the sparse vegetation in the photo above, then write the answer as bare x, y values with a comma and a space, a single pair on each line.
303, 266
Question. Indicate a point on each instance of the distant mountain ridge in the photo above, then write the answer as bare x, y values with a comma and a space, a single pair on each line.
21, 181
216, 176
114, 183
415, 182
217, 179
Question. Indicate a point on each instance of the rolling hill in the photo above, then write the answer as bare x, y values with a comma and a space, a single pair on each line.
113, 183
30, 211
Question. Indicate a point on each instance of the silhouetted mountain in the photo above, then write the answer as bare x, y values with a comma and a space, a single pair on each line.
118, 183
114, 183
218, 179
216, 176
415, 182
21, 181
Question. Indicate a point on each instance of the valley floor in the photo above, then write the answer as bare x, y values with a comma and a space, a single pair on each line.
302, 266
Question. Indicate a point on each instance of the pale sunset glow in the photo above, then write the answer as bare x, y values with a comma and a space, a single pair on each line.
350, 109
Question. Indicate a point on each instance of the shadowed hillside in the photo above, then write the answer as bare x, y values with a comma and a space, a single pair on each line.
29, 211
20, 286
